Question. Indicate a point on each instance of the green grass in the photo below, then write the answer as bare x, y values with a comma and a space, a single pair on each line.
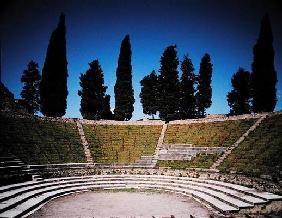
200, 161
261, 152
213, 134
120, 143
36, 141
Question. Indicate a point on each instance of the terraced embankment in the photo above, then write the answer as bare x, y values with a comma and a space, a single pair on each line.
121, 143
36, 141
260, 153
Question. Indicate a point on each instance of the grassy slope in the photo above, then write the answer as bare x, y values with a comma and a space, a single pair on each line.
40, 142
214, 134
121, 144
261, 152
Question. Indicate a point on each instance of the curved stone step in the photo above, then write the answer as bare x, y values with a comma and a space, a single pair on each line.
29, 204
225, 193
215, 185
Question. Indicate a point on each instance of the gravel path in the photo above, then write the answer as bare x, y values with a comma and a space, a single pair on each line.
122, 204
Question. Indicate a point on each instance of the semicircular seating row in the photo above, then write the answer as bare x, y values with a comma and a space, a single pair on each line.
23, 198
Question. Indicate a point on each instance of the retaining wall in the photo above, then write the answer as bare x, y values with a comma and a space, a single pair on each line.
142, 122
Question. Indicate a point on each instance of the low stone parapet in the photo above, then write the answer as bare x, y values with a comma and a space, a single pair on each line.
114, 122
215, 119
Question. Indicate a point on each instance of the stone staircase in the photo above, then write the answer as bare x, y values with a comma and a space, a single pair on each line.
150, 161
13, 170
236, 144
85, 144
160, 143
186, 151
146, 161
225, 198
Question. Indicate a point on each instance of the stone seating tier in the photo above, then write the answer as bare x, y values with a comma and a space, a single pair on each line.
12, 170
20, 199
183, 152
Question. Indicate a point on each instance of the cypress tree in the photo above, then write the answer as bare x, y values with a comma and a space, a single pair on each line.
30, 92
263, 77
187, 108
169, 85
53, 87
204, 94
93, 103
239, 97
106, 112
7, 100
124, 96
149, 94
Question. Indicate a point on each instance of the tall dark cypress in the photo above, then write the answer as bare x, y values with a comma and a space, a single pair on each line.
169, 85
94, 103
204, 94
149, 94
239, 97
263, 77
106, 112
187, 107
53, 87
30, 92
124, 94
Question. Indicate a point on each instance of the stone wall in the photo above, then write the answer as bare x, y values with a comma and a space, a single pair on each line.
84, 121
210, 119
114, 122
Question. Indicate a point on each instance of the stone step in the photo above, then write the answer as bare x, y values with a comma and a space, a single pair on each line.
180, 153
177, 146
22, 203
146, 157
37, 177
175, 157
11, 163
84, 142
174, 151
32, 190
250, 191
143, 160
14, 170
213, 182
142, 164
234, 202
8, 158
160, 141
13, 167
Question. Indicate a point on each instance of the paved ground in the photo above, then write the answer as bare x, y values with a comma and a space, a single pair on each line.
122, 204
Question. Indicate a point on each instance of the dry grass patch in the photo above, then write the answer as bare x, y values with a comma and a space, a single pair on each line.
213, 134
37, 141
261, 152
121, 143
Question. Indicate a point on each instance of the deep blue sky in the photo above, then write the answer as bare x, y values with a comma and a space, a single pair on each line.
227, 30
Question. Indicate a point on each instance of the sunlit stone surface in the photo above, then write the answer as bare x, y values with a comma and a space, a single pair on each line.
122, 204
